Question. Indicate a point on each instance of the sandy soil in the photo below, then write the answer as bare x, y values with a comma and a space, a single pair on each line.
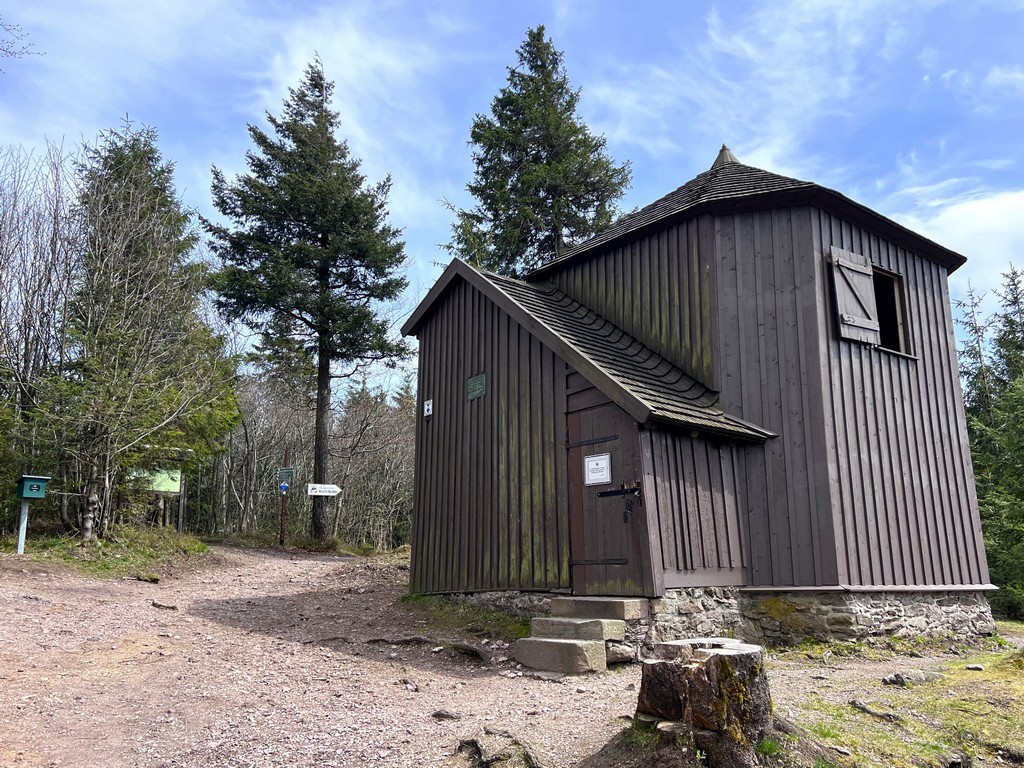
264, 659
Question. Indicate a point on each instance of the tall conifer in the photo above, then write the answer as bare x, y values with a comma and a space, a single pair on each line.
543, 181
310, 255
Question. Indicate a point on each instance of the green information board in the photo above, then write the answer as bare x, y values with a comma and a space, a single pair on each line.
162, 480
476, 386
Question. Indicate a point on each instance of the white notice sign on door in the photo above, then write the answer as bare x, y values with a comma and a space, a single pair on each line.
597, 469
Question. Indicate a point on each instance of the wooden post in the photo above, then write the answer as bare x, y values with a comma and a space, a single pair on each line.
182, 503
284, 505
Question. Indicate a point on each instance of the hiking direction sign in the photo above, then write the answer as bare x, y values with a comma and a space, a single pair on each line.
284, 478
322, 489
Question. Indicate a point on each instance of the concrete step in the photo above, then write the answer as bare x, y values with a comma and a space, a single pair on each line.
564, 628
619, 608
570, 656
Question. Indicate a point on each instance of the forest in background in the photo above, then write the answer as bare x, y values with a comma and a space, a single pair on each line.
992, 372
115, 363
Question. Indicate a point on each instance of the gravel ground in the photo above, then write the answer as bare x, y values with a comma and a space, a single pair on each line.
261, 658
262, 661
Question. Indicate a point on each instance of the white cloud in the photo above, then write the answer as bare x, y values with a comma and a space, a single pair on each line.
761, 81
1005, 78
986, 229
383, 77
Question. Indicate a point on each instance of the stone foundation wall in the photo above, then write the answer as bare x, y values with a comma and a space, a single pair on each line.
779, 618
523, 604
696, 612
790, 617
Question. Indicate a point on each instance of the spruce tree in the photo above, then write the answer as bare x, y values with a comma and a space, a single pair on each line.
992, 369
310, 255
143, 380
543, 181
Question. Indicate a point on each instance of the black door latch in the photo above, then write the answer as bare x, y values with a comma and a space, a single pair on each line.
631, 493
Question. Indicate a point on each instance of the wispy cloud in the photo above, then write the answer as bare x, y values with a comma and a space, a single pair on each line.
986, 229
1005, 78
761, 80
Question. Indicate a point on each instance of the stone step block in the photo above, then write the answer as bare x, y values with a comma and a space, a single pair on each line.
620, 608
570, 656
565, 628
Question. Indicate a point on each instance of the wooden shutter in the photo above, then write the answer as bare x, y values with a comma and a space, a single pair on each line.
855, 296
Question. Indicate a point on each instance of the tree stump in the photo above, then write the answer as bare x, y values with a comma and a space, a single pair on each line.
715, 687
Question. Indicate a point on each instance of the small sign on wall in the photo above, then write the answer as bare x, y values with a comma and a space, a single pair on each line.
597, 469
476, 386
428, 407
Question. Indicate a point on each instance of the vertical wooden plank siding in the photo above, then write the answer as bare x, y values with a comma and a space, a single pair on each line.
905, 511
491, 501
697, 508
657, 288
766, 332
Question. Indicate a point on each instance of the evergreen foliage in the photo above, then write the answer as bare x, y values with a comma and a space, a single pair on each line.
542, 180
309, 256
130, 378
147, 382
992, 368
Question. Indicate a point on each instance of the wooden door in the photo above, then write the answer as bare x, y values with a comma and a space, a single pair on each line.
609, 551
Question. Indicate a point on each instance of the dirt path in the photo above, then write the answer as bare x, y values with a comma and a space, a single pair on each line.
264, 660
254, 667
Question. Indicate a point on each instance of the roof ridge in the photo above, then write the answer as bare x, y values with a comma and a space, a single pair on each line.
729, 179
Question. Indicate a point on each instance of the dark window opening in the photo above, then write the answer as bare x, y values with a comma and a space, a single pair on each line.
889, 304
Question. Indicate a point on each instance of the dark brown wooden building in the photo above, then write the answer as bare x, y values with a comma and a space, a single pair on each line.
750, 382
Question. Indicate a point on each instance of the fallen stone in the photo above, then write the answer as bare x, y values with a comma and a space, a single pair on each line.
975, 667
619, 653
911, 677
410, 686
445, 714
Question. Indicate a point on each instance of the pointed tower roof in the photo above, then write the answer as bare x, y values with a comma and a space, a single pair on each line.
725, 155
730, 186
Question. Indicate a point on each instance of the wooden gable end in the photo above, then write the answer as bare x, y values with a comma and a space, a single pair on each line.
490, 501
659, 288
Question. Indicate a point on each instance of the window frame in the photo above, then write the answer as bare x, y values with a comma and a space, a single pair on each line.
858, 314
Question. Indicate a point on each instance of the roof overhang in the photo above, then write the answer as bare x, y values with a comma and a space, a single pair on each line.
811, 194
728, 428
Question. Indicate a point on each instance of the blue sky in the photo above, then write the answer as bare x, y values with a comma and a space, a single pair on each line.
915, 109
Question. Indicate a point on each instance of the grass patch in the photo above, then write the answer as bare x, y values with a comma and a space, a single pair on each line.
970, 713
447, 616
885, 648
826, 651
640, 736
1007, 628
825, 731
142, 552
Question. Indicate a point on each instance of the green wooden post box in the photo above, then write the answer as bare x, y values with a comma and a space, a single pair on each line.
31, 486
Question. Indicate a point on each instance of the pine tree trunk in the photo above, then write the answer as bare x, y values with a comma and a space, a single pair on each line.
321, 436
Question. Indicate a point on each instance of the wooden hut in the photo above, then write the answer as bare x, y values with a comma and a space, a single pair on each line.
751, 382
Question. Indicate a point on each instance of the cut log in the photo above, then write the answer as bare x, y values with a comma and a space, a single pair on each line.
718, 688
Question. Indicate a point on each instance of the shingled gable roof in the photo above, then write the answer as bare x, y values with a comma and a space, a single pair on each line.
730, 185
643, 383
